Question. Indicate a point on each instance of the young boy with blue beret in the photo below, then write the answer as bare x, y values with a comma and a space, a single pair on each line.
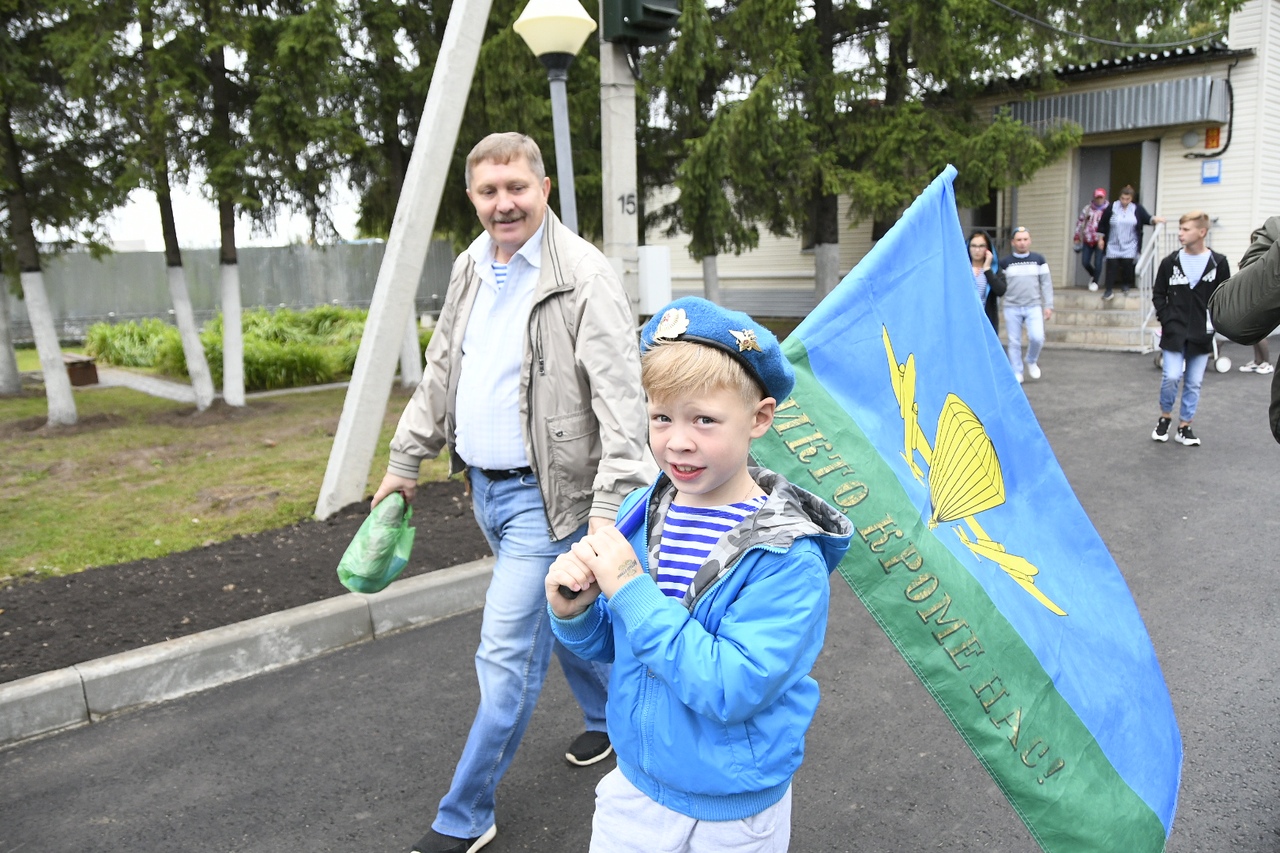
714, 611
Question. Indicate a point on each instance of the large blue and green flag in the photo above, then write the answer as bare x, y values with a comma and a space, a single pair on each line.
971, 550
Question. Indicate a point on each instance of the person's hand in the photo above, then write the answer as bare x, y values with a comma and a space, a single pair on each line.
1158, 220
1101, 245
986, 260
1048, 312
610, 559
568, 571
596, 523
394, 483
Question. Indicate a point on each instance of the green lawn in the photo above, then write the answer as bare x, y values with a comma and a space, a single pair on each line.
29, 359
140, 477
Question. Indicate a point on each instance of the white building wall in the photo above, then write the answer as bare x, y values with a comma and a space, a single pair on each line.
1248, 190
1263, 113
776, 264
1046, 208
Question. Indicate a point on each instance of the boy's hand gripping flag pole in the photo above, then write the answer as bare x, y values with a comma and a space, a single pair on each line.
971, 550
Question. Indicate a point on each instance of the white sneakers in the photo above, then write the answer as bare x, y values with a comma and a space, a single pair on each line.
1254, 367
1033, 370
1093, 286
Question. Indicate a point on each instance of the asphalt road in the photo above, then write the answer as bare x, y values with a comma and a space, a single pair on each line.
350, 752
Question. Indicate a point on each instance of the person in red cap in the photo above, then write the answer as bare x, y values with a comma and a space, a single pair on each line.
1086, 236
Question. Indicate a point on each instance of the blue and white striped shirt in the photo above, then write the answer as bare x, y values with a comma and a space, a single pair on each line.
688, 535
488, 408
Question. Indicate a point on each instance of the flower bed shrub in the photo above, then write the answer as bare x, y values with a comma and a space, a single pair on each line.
132, 344
282, 348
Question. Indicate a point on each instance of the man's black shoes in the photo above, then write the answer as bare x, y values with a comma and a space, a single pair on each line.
588, 748
434, 842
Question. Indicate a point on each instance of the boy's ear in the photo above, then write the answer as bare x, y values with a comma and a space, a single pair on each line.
762, 418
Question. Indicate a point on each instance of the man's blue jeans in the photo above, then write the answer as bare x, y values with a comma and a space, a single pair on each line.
1177, 367
515, 649
1015, 317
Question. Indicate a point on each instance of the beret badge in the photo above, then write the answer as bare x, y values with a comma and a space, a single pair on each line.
746, 340
673, 324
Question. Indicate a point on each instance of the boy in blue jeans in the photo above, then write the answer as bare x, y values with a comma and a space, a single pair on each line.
714, 611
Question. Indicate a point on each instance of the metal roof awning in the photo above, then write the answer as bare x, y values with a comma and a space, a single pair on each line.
1191, 100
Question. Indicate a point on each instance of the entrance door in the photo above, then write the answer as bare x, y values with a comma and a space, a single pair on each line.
1113, 167
1095, 171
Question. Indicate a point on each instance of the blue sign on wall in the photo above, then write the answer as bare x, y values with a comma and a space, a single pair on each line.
1210, 171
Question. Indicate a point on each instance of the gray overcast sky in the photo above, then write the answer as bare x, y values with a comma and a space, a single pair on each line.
136, 226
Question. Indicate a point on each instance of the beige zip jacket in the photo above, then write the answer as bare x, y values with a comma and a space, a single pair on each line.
582, 410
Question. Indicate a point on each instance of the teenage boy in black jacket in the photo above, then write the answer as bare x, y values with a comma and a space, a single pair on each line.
1185, 281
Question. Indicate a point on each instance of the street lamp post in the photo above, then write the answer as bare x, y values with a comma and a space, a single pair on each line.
555, 31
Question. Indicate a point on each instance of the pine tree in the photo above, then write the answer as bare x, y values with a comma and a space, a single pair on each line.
868, 101
301, 130
508, 92
56, 172
139, 78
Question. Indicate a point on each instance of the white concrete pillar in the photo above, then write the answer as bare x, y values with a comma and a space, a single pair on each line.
618, 165
403, 260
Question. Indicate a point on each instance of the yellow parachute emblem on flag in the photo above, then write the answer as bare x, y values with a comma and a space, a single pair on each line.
964, 473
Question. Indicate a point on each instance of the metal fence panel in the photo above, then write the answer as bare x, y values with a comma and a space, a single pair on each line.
132, 285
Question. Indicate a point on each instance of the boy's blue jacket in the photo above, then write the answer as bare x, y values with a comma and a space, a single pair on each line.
710, 699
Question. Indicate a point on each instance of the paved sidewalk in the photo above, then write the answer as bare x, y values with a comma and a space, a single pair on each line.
182, 392
91, 691
115, 377
349, 751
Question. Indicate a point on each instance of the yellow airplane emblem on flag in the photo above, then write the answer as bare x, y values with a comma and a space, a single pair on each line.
968, 478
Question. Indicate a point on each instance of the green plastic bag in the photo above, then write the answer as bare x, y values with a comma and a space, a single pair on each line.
380, 549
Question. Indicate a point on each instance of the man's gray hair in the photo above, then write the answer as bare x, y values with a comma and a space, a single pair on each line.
503, 148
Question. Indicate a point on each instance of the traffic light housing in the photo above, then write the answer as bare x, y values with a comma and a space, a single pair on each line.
639, 22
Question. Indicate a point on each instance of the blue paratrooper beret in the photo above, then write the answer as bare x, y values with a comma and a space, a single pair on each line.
751, 344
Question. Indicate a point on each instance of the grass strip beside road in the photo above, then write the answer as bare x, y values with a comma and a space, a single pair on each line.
144, 477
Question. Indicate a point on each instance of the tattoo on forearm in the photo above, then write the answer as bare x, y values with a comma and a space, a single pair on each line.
628, 569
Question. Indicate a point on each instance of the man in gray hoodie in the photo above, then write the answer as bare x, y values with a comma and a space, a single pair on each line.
1028, 302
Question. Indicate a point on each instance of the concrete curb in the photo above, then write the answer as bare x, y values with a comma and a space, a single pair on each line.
88, 692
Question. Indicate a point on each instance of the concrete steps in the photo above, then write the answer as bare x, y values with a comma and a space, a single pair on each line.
1083, 320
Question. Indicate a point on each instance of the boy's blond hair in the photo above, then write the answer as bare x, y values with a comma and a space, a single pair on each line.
1199, 217
682, 368
502, 148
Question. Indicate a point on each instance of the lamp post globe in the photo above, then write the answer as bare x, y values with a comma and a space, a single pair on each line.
555, 30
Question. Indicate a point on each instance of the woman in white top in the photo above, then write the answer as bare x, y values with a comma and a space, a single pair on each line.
1120, 236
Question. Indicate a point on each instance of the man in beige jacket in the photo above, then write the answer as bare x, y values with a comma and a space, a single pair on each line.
532, 382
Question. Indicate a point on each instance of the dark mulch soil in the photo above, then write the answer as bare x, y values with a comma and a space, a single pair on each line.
57, 622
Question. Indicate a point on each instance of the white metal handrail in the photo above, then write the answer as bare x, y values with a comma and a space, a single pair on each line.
1153, 251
